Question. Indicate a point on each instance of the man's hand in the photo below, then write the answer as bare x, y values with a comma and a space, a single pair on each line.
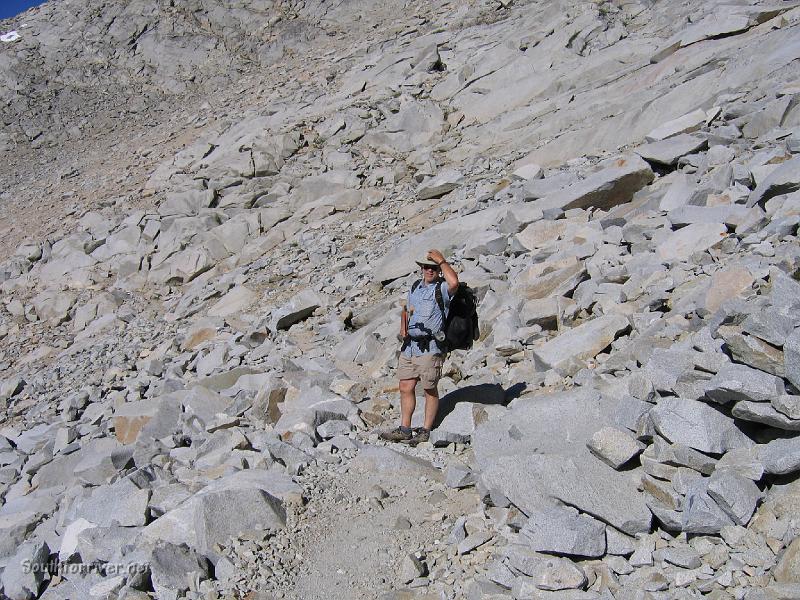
436, 256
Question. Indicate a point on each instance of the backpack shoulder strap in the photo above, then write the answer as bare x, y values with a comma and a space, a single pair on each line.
415, 285
439, 299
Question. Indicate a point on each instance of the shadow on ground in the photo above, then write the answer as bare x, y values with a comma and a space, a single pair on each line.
485, 393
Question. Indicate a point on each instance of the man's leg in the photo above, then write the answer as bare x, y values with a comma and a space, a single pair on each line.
408, 401
431, 406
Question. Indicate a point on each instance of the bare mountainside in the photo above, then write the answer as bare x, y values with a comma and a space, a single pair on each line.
210, 215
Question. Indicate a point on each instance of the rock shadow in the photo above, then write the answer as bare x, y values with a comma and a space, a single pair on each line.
484, 393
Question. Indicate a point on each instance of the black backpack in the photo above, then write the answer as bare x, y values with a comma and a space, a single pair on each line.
461, 324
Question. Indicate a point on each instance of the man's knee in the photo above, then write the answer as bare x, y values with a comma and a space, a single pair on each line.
408, 385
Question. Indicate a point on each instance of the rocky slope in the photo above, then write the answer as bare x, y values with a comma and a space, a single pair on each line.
211, 214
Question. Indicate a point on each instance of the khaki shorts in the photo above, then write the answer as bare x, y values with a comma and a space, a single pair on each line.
427, 368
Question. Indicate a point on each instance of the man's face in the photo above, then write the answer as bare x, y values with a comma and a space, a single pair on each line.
429, 274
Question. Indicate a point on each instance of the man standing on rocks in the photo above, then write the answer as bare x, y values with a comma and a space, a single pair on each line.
421, 358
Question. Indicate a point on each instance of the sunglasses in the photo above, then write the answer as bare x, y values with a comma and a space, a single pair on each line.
429, 268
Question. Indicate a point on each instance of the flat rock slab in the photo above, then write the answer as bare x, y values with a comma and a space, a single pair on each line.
605, 189
541, 481
685, 124
735, 382
667, 152
383, 460
235, 301
714, 26
697, 425
681, 244
568, 352
761, 412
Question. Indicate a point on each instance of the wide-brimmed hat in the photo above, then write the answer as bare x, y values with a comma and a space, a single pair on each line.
424, 261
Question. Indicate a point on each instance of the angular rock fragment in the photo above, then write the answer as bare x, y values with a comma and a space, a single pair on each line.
781, 456
300, 307
614, 447
459, 424
554, 574
173, 567
227, 507
761, 412
701, 514
791, 359
131, 417
236, 300
439, 185
25, 573
783, 180
735, 382
668, 151
685, 124
600, 492
605, 189
788, 568
753, 351
787, 405
734, 494
565, 531
681, 244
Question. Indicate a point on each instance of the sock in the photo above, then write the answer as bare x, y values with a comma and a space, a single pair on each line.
405, 429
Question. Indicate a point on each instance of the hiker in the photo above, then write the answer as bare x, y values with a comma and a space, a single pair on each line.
421, 358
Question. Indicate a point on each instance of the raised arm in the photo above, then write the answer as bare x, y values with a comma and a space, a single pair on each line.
449, 274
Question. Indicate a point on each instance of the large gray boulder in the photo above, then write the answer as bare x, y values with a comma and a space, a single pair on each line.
697, 425
25, 573
229, 506
172, 567
122, 503
761, 412
781, 456
568, 352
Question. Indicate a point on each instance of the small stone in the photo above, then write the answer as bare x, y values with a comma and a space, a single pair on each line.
411, 568
614, 446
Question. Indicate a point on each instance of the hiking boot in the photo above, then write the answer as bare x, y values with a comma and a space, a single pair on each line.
397, 435
420, 435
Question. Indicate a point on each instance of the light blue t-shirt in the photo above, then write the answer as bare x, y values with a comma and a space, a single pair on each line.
426, 318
